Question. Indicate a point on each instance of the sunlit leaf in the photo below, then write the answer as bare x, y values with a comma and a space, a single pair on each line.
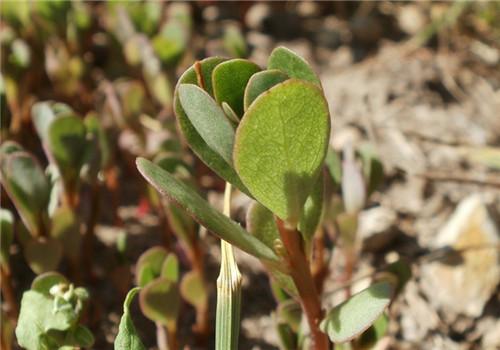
355, 315
292, 64
260, 82
208, 119
280, 146
229, 80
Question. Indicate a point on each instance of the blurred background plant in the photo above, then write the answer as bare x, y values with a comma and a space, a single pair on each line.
86, 87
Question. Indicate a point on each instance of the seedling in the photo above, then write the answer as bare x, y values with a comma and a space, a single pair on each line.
50, 315
275, 154
157, 274
48, 201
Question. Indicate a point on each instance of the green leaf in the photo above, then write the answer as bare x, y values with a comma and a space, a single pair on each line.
234, 41
355, 315
230, 114
229, 80
42, 254
160, 301
127, 338
202, 212
292, 64
347, 226
399, 269
6, 235
208, 119
373, 169
280, 146
28, 187
81, 337
261, 224
181, 223
149, 265
334, 165
132, 96
44, 113
96, 130
211, 158
173, 165
288, 339
170, 268
260, 82
193, 290
67, 144
37, 317
312, 212
289, 312
170, 43
45, 281
66, 229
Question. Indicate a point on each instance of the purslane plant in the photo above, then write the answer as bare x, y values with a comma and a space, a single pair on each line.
266, 132
50, 315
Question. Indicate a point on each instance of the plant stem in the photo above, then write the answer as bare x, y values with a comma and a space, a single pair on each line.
161, 337
201, 328
319, 266
88, 238
8, 293
227, 325
301, 275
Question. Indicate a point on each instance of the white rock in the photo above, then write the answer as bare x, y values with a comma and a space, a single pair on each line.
466, 287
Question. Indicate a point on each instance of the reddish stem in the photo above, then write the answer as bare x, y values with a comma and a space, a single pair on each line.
8, 293
301, 275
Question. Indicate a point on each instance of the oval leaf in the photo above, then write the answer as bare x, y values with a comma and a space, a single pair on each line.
202, 212
67, 144
160, 301
355, 315
66, 229
45, 281
6, 234
208, 119
292, 64
229, 80
193, 290
28, 187
170, 268
149, 265
43, 255
261, 82
211, 158
312, 212
280, 146
44, 113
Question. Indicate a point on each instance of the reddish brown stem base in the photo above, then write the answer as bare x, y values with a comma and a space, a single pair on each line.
8, 293
301, 275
